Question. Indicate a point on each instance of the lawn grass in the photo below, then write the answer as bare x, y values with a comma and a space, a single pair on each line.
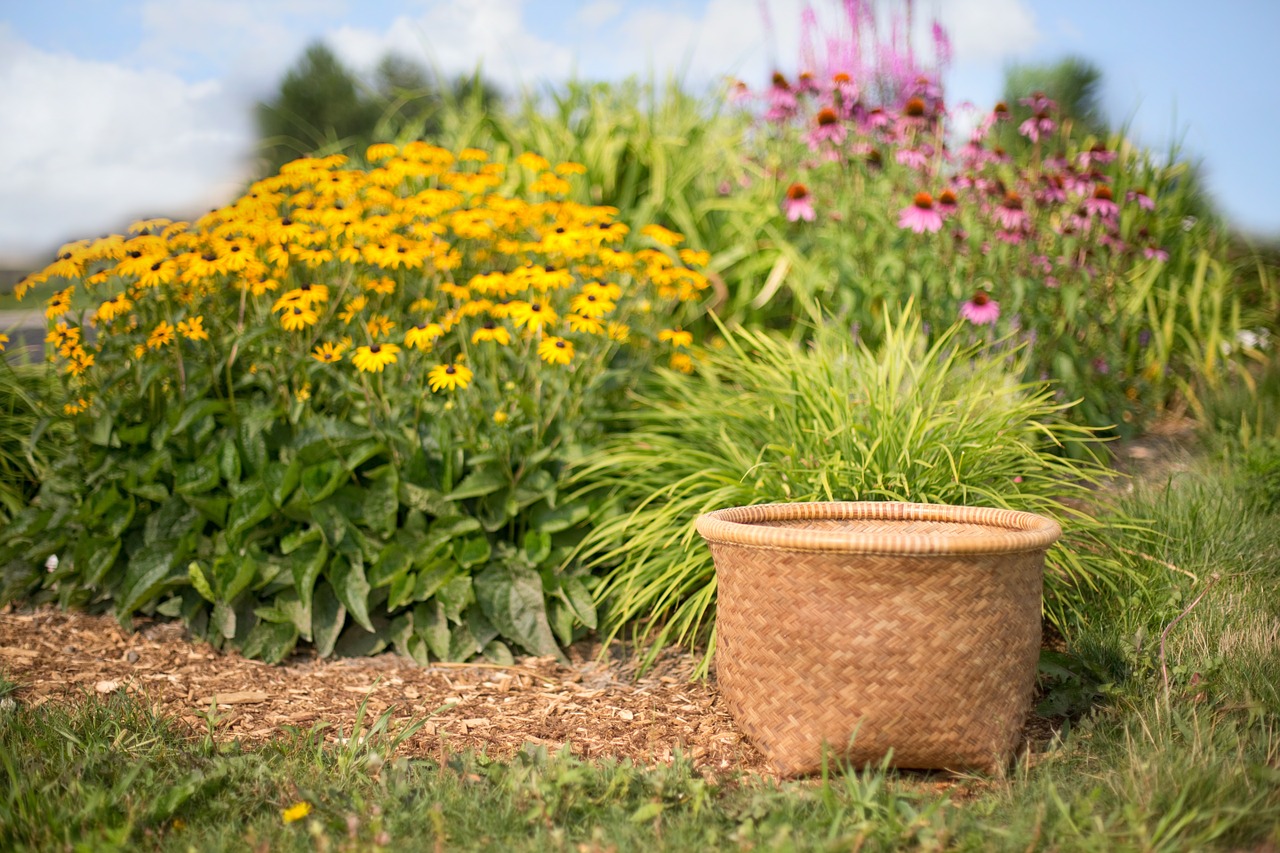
1138, 765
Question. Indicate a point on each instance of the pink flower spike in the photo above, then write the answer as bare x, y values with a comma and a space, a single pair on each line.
981, 310
920, 216
798, 204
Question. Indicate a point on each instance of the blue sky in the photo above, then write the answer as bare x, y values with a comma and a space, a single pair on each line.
111, 109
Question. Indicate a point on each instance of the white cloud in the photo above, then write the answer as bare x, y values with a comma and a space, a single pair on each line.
598, 12
989, 31
90, 144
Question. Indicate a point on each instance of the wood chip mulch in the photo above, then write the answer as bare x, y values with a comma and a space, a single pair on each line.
594, 706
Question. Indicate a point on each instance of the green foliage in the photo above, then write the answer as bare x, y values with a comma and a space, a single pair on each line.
766, 420
27, 445
1074, 84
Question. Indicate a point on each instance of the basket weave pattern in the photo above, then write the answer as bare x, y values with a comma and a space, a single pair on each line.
868, 627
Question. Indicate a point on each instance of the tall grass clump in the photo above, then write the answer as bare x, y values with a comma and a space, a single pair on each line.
27, 447
337, 409
765, 420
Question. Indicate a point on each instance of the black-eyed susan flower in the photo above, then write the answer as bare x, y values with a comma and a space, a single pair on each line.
79, 361
531, 315
76, 406
474, 155
161, 335
63, 337
447, 377
384, 286
193, 329
422, 336
590, 304
4, 339
570, 168
328, 353
379, 325
491, 331
354, 306
380, 151
585, 325
59, 303
373, 358
619, 332
555, 350
665, 236
676, 337
160, 272
297, 318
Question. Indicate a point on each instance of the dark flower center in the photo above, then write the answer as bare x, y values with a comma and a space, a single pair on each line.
980, 298
796, 192
536, 307
1103, 193
924, 201
827, 117
779, 81
1012, 201
946, 197
451, 370
914, 107
559, 344
375, 349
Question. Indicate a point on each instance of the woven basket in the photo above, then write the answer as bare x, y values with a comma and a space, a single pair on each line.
869, 629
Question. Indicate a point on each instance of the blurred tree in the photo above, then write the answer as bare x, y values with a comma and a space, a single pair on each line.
324, 107
1075, 84
319, 108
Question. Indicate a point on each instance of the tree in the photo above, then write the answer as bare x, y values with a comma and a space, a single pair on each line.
1073, 83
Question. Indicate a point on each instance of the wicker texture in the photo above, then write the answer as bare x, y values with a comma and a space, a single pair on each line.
865, 628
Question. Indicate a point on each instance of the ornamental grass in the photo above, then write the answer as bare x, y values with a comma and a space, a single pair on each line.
337, 408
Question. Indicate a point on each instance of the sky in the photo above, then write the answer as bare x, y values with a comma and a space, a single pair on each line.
116, 109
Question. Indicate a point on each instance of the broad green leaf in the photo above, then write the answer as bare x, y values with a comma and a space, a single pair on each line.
229, 462
554, 519
456, 596
195, 478
251, 507
393, 562
136, 434
212, 508
100, 432
400, 591
290, 604
433, 576
499, 653
281, 480
117, 519
95, 557
537, 546
298, 538
305, 564
471, 551
512, 598
320, 481
352, 588
148, 570
562, 621
238, 576
400, 632
430, 501
575, 594
538, 485
197, 410
150, 491
356, 456
253, 447
356, 642
223, 619
429, 622
327, 618
270, 641
446, 528
462, 643
481, 481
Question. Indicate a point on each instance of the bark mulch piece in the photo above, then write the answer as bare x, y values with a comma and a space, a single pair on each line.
594, 706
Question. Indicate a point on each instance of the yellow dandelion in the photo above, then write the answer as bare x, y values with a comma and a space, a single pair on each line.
676, 337
555, 350
193, 329
296, 812
161, 335
297, 318
447, 377
373, 358
328, 353
491, 331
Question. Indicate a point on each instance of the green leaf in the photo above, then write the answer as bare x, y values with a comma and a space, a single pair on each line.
117, 519
647, 812
305, 564
150, 491
223, 620
320, 481
298, 538
499, 653
537, 545
100, 432
196, 411
393, 562
212, 508
234, 575
363, 452
148, 570
200, 582
95, 557
349, 582
456, 596
400, 591
575, 594
248, 509
538, 485
471, 551
327, 618
480, 482
196, 477
430, 624
270, 641
431, 501
281, 480
356, 642
229, 462
290, 604
554, 519
512, 598
446, 528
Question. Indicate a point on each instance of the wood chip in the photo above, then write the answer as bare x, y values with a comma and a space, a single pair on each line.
107, 686
19, 653
245, 697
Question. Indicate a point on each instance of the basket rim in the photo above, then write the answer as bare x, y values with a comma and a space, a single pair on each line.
747, 525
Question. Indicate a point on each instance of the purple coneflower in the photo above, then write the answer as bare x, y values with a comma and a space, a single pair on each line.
877, 118
829, 129
914, 158
981, 310
1140, 196
1038, 125
805, 84
920, 216
1101, 203
798, 204
739, 92
1013, 238
1154, 253
782, 101
844, 89
947, 202
1009, 212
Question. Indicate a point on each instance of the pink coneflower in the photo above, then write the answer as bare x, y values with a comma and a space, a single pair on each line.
1038, 125
829, 129
914, 158
805, 84
798, 204
1140, 196
1001, 111
914, 108
981, 310
920, 216
1097, 153
844, 89
782, 101
1009, 212
877, 118
1101, 203
947, 202
1013, 238
1154, 253
739, 92
1054, 190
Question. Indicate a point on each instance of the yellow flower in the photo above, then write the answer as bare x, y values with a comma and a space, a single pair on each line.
379, 325
327, 353
160, 272
591, 305
694, 258
619, 332
372, 359
298, 317
193, 329
555, 350
681, 362
160, 335
533, 162
585, 325
296, 812
113, 308
491, 331
380, 151
4, 339
422, 336
385, 286
499, 418
677, 337
59, 303
475, 155
63, 337
306, 296
662, 235
304, 393
75, 407
531, 315
570, 168
353, 307
80, 362
449, 377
